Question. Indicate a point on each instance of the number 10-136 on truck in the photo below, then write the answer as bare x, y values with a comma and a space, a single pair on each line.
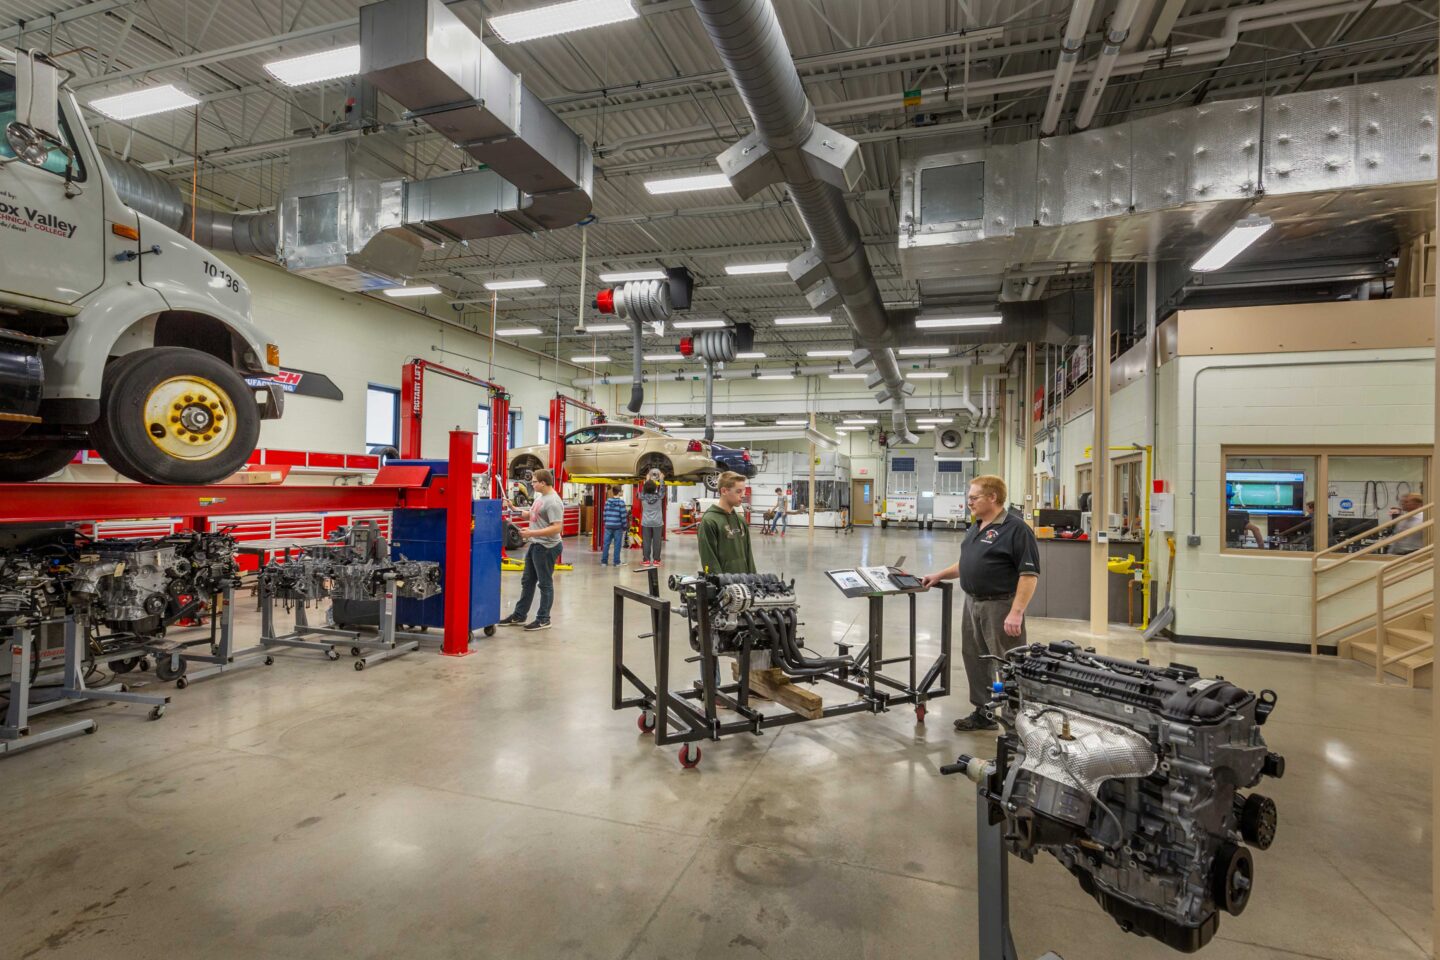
116, 332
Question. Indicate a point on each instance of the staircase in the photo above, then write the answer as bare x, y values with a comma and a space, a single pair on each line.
1409, 655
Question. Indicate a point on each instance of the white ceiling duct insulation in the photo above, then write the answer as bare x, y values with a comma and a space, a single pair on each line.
1353, 163
816, 164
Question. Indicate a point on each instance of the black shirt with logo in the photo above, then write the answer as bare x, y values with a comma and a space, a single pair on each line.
994, 557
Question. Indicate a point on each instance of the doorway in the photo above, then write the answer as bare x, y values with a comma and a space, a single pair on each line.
862, 502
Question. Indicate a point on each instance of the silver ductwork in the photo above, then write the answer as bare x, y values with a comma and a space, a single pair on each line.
816, 164
1334, 165
250, 234
427, 59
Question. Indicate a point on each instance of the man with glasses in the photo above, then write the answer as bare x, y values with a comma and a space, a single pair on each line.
999, 569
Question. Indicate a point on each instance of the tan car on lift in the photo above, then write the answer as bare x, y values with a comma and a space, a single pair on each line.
619, 450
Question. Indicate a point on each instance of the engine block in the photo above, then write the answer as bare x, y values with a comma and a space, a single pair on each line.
136, 586
754, 611
1131, 775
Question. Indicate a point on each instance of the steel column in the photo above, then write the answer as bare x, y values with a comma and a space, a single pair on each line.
459, 523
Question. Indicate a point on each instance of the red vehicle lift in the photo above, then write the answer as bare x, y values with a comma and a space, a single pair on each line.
412, 412
558, 430
394, 487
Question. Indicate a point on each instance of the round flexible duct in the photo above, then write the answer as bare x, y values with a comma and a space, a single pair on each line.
641, 302
713, 346
249, 234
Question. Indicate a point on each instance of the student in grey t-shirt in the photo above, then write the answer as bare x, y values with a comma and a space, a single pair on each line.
547, 523
652, 523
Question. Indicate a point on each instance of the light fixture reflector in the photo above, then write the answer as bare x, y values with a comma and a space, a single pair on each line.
144, 103
519, 332
753, 269
1234, 243
945, 323
317, 67
632, 275
702, 181
529, 284
557, 18
428, 290
801, 322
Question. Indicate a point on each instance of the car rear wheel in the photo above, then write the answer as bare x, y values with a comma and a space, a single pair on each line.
655, 462
21, 461
712, 482
175, 415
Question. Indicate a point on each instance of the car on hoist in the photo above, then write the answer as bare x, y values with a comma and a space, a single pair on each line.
733, 459
619, 450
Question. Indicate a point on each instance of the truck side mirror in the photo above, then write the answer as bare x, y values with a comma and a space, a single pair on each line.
34, 133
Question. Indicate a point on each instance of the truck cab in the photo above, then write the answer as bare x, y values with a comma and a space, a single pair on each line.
116, 332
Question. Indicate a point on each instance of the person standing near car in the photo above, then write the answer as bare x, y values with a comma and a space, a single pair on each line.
547, 523
652, 523
616, 525
724, 535
999, 569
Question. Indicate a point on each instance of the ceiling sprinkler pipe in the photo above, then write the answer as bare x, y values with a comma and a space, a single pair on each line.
1115, 37
1071, 45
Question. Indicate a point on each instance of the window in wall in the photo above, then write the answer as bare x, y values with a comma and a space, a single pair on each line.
1127, 493
382, 417
482, 432
1270, 502
1366, 491
544, 430
1084, 483
517, 428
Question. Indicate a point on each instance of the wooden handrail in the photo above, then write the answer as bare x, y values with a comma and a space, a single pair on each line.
1366, 578
1399, 607
1372, 531
1396, 657
1374, 547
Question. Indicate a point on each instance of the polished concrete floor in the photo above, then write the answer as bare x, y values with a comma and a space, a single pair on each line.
494, 806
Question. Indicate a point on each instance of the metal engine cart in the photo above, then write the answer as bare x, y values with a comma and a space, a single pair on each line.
688, 715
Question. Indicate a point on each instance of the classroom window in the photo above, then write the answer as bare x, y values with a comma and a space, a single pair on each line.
1365, 491
544, 430
382, 417
1084, 483
1270, 502
482, 432
1127, 493
517, 428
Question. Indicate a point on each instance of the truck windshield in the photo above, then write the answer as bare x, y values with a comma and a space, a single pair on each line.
55, 162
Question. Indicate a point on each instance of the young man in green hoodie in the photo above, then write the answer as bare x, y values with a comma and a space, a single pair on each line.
724, 534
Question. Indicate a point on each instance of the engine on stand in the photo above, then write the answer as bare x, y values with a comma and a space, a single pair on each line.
1133, 777
754, 612
137, 588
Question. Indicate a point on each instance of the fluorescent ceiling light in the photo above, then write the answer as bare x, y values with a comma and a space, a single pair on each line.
827, 353
942, 323
697, 324
1230, 246
317, 67
776, 376
792, 423
846, 429
513, 284
560, 18
729, 423
860, 422
925, 426
589, 359
801, 322
750, 356
426, 291
144, 103
671, 423
519, 332
849, 376
934, 419
703, 181
632, 275
749, 269
928, 375
663, 357
607, 328
923, 351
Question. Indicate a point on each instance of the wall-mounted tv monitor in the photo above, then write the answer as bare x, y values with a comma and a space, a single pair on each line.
1265, 492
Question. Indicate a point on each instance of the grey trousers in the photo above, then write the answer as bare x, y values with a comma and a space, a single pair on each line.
650, 541
982, 631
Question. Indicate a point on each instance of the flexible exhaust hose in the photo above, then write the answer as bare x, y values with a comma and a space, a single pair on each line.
641, 302
713, 346
637, 386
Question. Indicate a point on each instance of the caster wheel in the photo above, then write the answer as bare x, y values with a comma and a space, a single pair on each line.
181, 684
157, 711
646, 721
332, 654
124, 666
145, 665
167, 669
359, 664
920, 713
269, 661
690, 756
94, 727
354, 651
490, 630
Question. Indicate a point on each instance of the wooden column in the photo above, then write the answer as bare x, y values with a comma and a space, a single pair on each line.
1435, 714
1100, 458
812, 476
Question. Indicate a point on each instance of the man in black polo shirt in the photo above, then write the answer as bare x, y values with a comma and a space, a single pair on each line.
999, 568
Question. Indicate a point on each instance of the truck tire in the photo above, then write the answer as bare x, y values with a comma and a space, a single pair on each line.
175, 415
21, 462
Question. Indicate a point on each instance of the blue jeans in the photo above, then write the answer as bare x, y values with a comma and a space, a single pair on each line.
615, 535
539, 568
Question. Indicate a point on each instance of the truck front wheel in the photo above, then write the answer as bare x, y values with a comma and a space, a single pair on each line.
21, 462
175, 415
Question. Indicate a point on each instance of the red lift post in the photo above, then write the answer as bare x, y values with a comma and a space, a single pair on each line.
412, 413
558, 430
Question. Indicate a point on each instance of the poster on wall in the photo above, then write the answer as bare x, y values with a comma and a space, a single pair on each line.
305, 383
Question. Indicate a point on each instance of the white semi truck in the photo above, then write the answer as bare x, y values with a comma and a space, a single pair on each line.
116, 332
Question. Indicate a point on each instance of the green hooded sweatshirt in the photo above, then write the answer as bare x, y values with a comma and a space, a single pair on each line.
725, 542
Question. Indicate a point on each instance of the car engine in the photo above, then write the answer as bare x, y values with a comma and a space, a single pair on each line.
1131, 775
352, 568
754, 611
139, 587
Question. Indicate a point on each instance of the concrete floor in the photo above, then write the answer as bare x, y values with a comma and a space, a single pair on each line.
494, 806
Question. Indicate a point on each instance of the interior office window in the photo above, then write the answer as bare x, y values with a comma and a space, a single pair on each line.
382, 417
1127, 494
544, 430
482, 432
1364, 492
1084, 484
517, 428
1269, 502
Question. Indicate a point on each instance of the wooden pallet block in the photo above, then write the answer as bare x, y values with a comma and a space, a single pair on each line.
774, 685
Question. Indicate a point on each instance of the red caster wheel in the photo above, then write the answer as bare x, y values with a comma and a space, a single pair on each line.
689, 756
920, 713
646, 721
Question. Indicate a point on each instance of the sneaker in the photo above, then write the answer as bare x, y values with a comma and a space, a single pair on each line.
514, 620
976, 721
604, 564
537, 625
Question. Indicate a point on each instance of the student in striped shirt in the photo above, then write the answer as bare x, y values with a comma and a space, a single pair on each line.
616, 520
